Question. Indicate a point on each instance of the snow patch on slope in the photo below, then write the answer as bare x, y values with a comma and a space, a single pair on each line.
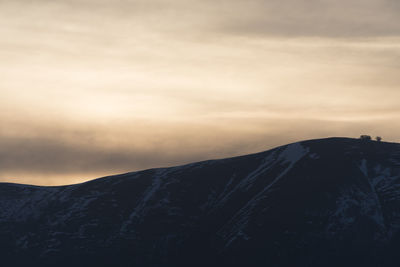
158, 179
363, 167
290, 155
293, 153
235, 228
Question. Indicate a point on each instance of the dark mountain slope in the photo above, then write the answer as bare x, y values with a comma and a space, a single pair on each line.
328, 202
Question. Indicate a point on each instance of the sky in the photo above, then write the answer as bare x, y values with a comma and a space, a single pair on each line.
91, 88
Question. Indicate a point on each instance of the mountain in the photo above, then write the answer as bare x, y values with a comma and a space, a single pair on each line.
327, 202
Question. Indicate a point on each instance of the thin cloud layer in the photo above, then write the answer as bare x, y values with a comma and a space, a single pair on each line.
287, 18
315, 18
96, 87
82, 154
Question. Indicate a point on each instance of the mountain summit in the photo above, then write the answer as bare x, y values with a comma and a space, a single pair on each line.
328, 202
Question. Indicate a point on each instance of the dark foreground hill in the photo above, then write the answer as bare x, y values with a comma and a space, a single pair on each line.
330, 202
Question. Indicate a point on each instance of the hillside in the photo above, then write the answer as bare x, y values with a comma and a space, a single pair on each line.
326, 202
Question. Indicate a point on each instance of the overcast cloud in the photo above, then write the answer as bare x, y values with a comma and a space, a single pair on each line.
96, 87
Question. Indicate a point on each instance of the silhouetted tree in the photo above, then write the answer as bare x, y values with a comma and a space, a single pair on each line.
378, 138
365, 137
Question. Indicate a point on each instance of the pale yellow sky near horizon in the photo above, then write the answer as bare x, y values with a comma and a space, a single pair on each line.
93, 88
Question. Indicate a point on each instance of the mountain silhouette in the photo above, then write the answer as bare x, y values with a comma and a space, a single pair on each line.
326, 202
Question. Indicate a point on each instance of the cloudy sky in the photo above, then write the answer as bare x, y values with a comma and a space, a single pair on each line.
90, 88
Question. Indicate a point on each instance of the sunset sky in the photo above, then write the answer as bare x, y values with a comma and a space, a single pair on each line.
90, 88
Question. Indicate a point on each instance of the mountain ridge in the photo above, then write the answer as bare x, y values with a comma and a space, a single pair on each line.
309, 203
191, 163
